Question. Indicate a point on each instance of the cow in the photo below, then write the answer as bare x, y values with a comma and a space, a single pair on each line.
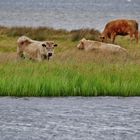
121, 27
88, 45
34, 50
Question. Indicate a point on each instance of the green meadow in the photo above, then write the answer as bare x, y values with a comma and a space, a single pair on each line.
71, 72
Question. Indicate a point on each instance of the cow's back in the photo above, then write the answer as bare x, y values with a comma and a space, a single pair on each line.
121, 26
133, 24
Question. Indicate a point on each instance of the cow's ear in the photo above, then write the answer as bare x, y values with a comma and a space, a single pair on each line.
82, 42
22, 42
55, 45
83, 39
44, 45
102, 37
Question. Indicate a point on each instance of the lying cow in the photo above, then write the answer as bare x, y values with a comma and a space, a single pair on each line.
34, 50
120, 27
95, 45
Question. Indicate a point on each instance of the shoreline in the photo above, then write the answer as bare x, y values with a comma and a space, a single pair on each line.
49, 27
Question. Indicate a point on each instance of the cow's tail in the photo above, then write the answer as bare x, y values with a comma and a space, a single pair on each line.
136, 32
137, 26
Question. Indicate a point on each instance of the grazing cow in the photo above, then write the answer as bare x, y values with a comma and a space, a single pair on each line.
120, 27
88, 45
34, 50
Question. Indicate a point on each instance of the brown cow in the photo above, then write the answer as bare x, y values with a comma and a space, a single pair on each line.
120, 27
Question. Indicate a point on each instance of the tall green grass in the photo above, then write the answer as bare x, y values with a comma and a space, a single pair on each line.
57, 79
71, 72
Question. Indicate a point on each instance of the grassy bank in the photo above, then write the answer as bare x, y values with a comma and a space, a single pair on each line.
71, 72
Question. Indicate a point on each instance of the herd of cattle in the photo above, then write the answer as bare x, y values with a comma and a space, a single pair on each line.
40, 50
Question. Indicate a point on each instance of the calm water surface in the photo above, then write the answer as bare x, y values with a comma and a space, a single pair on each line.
76, 118
67, 14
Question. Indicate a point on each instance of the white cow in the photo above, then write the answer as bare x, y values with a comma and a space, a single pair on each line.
34, 50
88, 45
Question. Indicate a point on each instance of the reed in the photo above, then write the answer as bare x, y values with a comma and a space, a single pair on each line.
57, 79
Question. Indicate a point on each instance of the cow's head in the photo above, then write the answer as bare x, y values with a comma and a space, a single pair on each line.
81, 44
103, 37
48, 47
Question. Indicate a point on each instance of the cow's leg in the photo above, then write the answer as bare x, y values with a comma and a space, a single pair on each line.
19, 54
131, 38
137, 37
39, 57
113, 36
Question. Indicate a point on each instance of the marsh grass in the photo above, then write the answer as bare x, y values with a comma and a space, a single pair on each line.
71, 72
57, 79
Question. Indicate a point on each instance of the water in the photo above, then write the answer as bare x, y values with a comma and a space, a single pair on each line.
76, 118
67, 14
